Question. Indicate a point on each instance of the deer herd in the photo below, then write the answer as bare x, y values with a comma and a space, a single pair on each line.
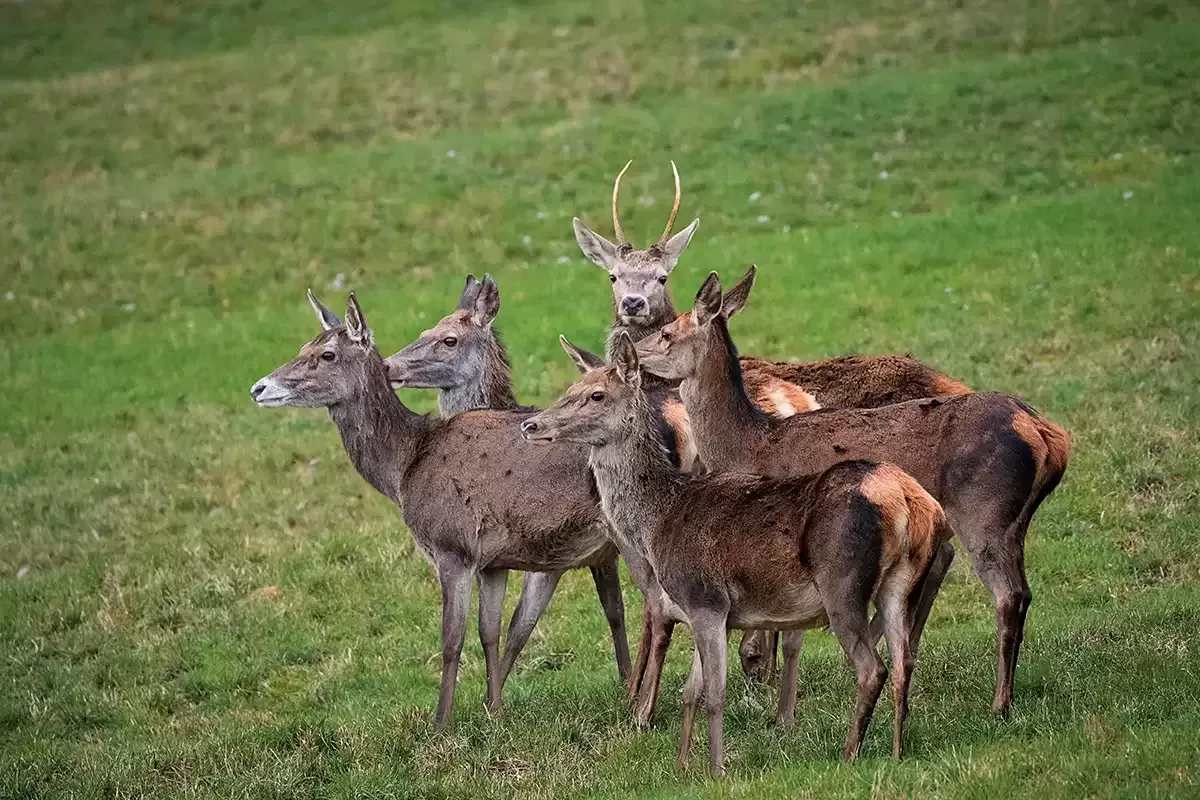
770, 497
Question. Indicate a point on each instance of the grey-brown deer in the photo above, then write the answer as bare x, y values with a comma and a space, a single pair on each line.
738, 551
464, 358
990, 459
462, 355
477, 497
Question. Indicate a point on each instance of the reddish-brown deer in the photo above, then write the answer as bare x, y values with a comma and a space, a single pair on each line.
990, 459
477, 497
464, 358
741, 551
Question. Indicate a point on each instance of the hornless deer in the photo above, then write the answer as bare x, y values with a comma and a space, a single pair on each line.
478, 499
464, 357
741, 551
642, 305
990, 459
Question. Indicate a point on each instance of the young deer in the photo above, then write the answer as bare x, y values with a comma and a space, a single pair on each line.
741, 551
990, 459
642, 305
478, 499
464, 357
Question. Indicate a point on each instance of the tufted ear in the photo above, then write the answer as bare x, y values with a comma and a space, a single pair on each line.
487, 303
601, 251
466, 300
585, 362
327, 318
356, 323
625, 359
673, 248
708, 300
735, 299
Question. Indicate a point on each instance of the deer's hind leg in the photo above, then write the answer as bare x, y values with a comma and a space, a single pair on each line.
492, 583
792, 640
536, 590
608, 587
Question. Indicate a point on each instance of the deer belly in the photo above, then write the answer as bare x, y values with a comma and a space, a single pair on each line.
550, 551
792, 606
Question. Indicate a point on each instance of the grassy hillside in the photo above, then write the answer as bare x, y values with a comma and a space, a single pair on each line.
201, 598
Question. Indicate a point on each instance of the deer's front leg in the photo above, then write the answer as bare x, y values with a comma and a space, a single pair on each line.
492, 583
456, 602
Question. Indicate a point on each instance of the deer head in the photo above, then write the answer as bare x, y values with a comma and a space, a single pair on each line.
451, 353
639, 277
330, 369
596, 409
676, 351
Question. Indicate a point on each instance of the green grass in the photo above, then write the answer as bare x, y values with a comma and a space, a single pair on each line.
172, 176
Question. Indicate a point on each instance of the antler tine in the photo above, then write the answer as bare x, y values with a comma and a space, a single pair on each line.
616, 217
674, 209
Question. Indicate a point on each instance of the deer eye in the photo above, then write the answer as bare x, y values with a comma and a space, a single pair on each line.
666, 336
612, 278
597, 396
662, 279
450, 341
328, 355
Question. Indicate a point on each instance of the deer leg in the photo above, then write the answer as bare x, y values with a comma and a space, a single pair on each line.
898, 613
691, 700
456, 602
931, 585
710, 633
492, 583
848, 618
660, 641
633, 687
608, 587
787, 687
536, 590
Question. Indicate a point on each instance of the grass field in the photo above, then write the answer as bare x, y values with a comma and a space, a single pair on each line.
201, 598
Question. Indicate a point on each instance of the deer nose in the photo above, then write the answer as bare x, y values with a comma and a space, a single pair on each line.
633, 305
529, 426
257, 389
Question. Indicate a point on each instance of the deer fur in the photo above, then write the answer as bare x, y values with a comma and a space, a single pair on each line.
739, 551
989, 459
477, 497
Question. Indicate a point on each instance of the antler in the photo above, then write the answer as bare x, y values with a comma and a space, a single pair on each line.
674, 209
616, 217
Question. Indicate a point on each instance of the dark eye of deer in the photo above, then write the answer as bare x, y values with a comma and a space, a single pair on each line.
597, 396
662, 279
328, 355
612, 278
666, 337
450, 341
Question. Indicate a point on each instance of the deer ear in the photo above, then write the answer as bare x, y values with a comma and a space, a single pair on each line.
487, 303
327, 318
708, 300
674, 247
585, 362
356, 323
470, 291
625, 359
601, 251
735, 299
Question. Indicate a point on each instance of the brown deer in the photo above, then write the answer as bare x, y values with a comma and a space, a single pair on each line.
642, 305
989, 459
464, 357
741, 551
477, 497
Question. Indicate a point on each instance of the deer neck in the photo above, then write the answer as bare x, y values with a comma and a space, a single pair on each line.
721, 413
491, 388
635, 478
641, 328
381, 435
